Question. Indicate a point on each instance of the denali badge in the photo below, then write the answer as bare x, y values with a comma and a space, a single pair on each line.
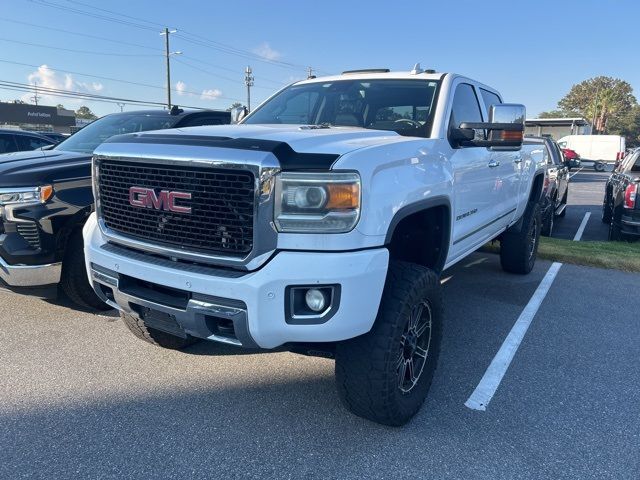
165, 200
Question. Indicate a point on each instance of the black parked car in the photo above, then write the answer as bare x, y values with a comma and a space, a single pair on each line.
553, 202
21, 141
46, 197
620, 209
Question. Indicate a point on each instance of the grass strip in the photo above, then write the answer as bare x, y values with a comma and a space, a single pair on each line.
623, 256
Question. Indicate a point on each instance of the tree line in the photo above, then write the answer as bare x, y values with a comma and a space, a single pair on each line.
606, 102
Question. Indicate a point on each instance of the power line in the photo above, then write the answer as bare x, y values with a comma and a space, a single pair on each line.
193, 59
86, 35
15, 86
40, 45
52, 68
89, 14
196, 39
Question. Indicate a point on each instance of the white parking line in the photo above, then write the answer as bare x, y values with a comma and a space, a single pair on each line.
575, 173
582, 227
482, 395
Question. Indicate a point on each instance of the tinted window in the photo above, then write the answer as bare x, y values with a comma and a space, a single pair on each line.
7, 144
489, 99
636, 165
403, 106
200, 121
27, 142
88, 139
465, 106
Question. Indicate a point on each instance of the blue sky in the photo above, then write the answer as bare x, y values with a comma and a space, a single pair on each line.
531, 51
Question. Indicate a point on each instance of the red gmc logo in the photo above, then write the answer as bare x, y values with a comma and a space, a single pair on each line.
165, 200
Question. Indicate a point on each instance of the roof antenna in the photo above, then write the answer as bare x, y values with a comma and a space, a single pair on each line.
416, 69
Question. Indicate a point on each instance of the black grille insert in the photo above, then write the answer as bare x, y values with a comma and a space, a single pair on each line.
222, 206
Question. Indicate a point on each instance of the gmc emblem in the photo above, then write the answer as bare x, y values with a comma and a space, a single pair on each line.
165, 200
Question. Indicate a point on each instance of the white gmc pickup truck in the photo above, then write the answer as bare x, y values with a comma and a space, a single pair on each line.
321, 222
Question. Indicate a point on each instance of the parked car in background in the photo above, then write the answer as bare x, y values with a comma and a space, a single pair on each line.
620, 210
46, 196
599, 149
553, 202
21, 141
572, 157
54, 136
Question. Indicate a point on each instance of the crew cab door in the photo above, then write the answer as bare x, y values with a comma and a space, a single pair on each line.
473, 178
507, 171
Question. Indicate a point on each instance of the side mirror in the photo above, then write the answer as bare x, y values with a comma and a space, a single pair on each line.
238, 113
504, 130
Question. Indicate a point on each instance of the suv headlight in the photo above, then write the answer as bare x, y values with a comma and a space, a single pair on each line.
317, 202
25, 195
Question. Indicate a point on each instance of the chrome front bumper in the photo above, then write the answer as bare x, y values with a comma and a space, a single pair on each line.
30, 275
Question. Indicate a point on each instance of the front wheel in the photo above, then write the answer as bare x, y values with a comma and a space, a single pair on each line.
384, 375
547, 224
74, 282
519, 244
607, 211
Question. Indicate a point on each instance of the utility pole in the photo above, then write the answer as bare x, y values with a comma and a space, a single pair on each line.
168, 54
121, 105
35, 93
310, 74
248, 81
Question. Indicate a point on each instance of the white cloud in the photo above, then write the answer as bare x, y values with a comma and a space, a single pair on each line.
210, 94
181, 87
45, 77
266, 52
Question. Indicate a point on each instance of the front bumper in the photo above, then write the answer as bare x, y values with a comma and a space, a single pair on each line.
30, 275
254, 302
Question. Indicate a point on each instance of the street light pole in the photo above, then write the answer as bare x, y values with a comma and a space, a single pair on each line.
168, 54
248, 80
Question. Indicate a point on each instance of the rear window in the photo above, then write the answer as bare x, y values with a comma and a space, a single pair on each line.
489, 98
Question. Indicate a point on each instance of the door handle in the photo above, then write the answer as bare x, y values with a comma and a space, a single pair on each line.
518, 160
494, 164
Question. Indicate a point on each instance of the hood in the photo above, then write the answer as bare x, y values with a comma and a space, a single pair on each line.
37, 167
301, 138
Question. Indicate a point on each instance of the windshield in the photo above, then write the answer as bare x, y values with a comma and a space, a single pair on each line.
403, 106
88, 139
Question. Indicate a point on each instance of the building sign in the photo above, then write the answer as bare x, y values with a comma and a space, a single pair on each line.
34, 114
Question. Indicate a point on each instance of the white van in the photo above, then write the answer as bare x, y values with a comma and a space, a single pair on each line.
596, 148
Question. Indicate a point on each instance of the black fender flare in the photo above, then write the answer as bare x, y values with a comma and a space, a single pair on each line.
426, 204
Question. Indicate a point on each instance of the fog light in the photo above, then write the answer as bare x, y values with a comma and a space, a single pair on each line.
315, 300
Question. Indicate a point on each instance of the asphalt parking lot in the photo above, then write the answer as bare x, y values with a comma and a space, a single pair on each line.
83, 398
586, 192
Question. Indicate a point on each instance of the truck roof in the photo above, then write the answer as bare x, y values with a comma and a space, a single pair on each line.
400, 75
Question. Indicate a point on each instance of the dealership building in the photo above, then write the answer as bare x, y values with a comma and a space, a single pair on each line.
37, 118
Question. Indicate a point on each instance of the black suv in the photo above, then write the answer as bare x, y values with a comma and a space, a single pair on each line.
620, 209
20, 141
46, 196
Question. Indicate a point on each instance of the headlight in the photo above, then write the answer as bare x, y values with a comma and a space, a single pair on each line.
25, 196
317, 202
